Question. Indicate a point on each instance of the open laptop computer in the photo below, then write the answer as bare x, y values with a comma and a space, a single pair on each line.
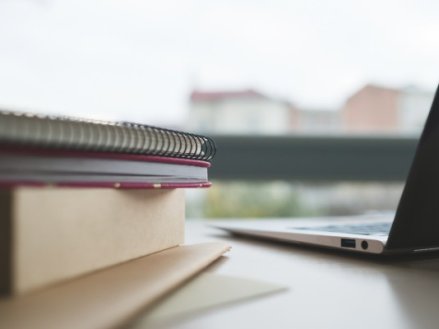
413, 228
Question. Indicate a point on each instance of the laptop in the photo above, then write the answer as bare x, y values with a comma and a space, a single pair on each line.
413, 228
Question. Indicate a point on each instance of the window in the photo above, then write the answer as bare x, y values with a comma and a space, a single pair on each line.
344, 69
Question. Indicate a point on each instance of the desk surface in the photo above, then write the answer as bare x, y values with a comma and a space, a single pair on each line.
326, 289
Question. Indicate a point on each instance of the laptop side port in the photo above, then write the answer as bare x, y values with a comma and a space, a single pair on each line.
348, 243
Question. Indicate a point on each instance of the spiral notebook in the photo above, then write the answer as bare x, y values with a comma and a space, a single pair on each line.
56, 150
61, 132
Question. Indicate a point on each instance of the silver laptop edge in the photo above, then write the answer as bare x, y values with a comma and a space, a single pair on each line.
415, 227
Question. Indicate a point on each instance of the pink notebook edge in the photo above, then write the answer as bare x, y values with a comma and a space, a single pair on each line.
114, 185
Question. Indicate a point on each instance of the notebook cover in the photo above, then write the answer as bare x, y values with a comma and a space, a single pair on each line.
53, 153
102, 155
110, 298
57, 234
115, 185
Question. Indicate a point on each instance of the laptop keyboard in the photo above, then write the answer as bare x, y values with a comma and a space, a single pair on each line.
363, 229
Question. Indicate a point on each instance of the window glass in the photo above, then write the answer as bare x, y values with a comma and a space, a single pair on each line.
274, 68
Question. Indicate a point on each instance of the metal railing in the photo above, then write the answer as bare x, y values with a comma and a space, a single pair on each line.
312, 158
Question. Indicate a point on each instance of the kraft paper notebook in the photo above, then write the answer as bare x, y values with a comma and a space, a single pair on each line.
109, 298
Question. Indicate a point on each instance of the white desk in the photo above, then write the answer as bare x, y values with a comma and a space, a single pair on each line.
327, 290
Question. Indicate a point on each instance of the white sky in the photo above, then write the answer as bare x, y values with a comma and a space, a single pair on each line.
138, 59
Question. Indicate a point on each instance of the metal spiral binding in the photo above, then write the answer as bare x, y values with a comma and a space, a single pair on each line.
94, 135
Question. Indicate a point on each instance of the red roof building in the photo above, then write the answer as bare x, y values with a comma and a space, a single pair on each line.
244, 111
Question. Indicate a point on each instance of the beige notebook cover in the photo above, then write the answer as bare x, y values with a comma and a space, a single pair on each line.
48, 235
112, 297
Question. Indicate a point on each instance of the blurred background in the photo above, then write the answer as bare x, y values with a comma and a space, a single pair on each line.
297, 85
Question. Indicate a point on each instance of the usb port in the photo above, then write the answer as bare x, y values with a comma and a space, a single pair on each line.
348, 243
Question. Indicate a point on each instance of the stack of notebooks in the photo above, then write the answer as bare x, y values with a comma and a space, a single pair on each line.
83, 203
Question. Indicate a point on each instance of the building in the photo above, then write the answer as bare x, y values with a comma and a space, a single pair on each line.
414, 105
378, 109
317, 121
373, 109
240, 112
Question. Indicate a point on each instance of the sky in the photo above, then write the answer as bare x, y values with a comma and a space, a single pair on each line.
138, 60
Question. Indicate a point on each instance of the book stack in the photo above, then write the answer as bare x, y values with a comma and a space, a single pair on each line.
82, 198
